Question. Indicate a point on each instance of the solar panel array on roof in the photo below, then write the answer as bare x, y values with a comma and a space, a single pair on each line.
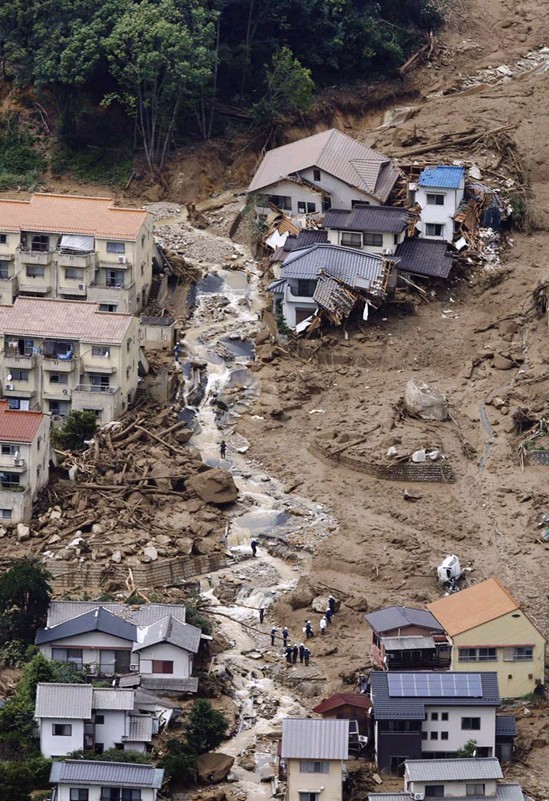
435, 685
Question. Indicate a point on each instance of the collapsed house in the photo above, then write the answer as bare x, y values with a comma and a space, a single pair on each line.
333, 281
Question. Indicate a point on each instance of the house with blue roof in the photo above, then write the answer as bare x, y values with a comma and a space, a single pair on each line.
439, 192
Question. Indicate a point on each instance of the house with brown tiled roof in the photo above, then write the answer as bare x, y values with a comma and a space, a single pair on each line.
59, 356
24, 461
489, 631
347, 706
77, 248
325, 170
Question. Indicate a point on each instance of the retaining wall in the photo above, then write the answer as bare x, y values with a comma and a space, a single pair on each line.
403, 471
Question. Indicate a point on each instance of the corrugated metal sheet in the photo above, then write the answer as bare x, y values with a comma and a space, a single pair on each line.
335, 153
413, 708
115, 774
139, 615
315, 739
407, 643
114, 699
398, 617
347, 264
64, 701
141, 727
424, 257
442, 177
453, 770
371, 219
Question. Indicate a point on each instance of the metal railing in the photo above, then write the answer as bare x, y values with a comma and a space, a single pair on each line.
104, 390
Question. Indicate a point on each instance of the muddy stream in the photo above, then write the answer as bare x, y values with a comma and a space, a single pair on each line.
218, 388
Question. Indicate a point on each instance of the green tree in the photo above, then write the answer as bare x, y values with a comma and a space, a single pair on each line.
24, 600
468, 749
79, 427
113, 755
161, 53
179, 762
289, 89
205, 726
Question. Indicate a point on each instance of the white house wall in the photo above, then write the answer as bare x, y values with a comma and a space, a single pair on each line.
389, 244
341, 194
182, 660
454, 789
443, 215
94, 792
457, 738
51, 745
115, 727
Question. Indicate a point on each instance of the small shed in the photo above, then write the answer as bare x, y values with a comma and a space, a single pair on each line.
157, 333
347, 706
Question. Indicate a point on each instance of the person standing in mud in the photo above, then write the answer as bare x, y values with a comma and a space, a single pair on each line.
289, 651
223, 448
273, 635
309, 629
295, 651
322, 625
285, 635
253, 546
301, 652
306, 657
332, 604
328, 615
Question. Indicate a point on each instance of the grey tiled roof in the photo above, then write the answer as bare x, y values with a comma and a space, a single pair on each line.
305, 239
97, 619
114, 774
64, 701
315, 739
141, 727
171, 630
387, 707
116, 699
351, 266
424, 257
335, 153
373, 219
398, 617
333, 296
506, 726
138, 614
453, 770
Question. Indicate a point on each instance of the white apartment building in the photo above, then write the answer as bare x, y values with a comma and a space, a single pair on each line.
24, 461
77, 248
58, 356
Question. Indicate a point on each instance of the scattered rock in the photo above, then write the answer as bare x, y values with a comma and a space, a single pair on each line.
421, 400
116, 557
23, 532
301, 597
500, 362
150, 554
214, 486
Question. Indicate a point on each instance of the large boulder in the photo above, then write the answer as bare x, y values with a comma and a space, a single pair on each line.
321, 602
214, 767
421, 400
214, 486
301, 596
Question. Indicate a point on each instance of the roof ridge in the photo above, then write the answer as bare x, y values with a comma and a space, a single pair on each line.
506, 591
68, 195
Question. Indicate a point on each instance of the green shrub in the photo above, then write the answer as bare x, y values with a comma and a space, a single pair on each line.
179, 762
78, 427
100, 165
113, 755
205, 726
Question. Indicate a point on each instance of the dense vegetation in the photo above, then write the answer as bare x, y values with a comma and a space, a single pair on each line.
24, 600
178, 68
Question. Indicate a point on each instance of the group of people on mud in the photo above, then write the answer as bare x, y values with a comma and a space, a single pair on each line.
292, 652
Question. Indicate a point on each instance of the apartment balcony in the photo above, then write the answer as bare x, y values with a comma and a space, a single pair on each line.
38, 257
18, 390
22, 361
114, 262
61, 392
105, 283
82, 261
75, 287
40, 285
56, 365
13, 464
97, 389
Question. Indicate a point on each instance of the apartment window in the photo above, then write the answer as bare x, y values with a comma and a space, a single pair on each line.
35, 271
470, 724
99, 382
118, 794
59, 378
4, 268
316, 175
128, 344
434, 229
474, 789
309, 796
107, 307
142, 268
99, 719
443, 735
61, 729
72, 655
434, 791
116, 247
142, 240
79, 794
38, 443
9, 450
19, 375
9, 480
282, 201
101, 351
434, 715
128, 370
435, 200
18, 404
305, 288
40, 243
306, 208
312, 766
434, 735
350, 240
478, 655
3, 239
74, 273
162, 666
519, 653
444, 715
374, 240
5, 514
115, 278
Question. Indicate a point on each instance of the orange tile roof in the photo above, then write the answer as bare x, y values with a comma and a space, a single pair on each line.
63, 319
473, 606
71, 214
16, 426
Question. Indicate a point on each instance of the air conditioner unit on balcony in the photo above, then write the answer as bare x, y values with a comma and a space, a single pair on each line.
134, 667
19, 462
418, 796
9, 386
80, 286
65, 392
122, 260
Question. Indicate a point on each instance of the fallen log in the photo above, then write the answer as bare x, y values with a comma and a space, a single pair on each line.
454, 141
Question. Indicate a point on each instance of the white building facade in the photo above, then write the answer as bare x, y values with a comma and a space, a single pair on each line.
439, 192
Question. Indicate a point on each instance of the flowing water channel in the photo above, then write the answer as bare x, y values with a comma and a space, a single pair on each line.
219, 387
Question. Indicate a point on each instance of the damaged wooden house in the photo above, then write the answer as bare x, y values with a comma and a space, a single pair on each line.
331, 281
